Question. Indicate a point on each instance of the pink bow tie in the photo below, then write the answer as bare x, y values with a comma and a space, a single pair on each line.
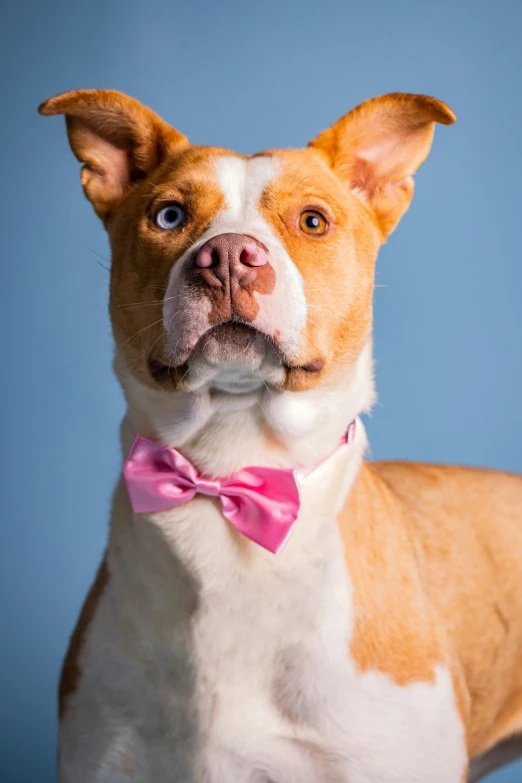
262, 503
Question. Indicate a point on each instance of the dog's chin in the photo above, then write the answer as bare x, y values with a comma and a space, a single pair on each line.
234, 358
231, 357
232, 343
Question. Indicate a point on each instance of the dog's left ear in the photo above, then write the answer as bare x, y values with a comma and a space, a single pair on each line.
117, 138
378, 146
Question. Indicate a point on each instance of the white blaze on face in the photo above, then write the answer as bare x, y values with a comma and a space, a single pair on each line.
243, 182
282, 312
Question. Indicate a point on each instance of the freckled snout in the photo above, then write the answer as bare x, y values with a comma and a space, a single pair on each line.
231, 258
233, 300
228, 273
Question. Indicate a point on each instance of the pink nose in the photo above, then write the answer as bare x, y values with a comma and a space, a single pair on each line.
231, 255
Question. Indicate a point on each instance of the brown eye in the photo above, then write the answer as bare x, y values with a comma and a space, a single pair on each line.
312, 222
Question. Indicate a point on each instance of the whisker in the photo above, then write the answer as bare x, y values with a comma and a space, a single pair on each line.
99, 256
318, 288
145, 304
184, 375
317, 307
131, 339
267, 387
264, 383
266, 415
153, 344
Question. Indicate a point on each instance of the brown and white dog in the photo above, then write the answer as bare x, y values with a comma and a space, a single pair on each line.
384, 643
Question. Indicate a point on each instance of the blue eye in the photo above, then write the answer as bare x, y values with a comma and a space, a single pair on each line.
170, 217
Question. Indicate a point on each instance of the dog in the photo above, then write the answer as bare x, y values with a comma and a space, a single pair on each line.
271, 608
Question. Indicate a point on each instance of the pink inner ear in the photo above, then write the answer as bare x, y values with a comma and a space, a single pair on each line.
376, 149
378, 153
389, 156
108, 161
117, 167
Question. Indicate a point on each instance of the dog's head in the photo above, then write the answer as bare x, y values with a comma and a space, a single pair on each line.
232, 272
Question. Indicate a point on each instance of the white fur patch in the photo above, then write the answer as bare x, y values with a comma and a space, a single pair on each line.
243, 182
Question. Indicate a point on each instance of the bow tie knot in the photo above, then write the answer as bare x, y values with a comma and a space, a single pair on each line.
207, 486
261, 503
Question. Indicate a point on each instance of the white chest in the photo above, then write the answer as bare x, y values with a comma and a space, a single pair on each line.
279, 698
241, 671
266, 652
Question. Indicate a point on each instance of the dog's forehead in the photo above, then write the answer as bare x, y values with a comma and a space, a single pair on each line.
242, 180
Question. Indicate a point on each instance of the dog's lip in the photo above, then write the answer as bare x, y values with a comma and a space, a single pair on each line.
163, 371
313, 367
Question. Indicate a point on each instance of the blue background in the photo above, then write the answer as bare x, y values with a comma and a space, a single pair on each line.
246, 76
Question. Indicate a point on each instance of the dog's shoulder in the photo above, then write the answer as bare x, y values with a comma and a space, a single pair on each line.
421, 484
396, 629
464, 529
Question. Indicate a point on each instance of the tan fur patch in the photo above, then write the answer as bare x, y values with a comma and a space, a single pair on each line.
71, 671
461, 531
395, 627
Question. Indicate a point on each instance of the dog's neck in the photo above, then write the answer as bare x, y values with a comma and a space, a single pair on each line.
222, 432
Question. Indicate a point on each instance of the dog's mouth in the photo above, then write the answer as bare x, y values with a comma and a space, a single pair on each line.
233, 344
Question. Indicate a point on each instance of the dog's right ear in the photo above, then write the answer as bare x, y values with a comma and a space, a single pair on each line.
118, 140
377, 147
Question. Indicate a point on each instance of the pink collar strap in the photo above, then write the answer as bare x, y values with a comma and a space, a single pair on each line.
262, 503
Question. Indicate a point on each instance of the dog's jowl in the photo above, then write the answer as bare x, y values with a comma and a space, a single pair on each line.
270, 606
